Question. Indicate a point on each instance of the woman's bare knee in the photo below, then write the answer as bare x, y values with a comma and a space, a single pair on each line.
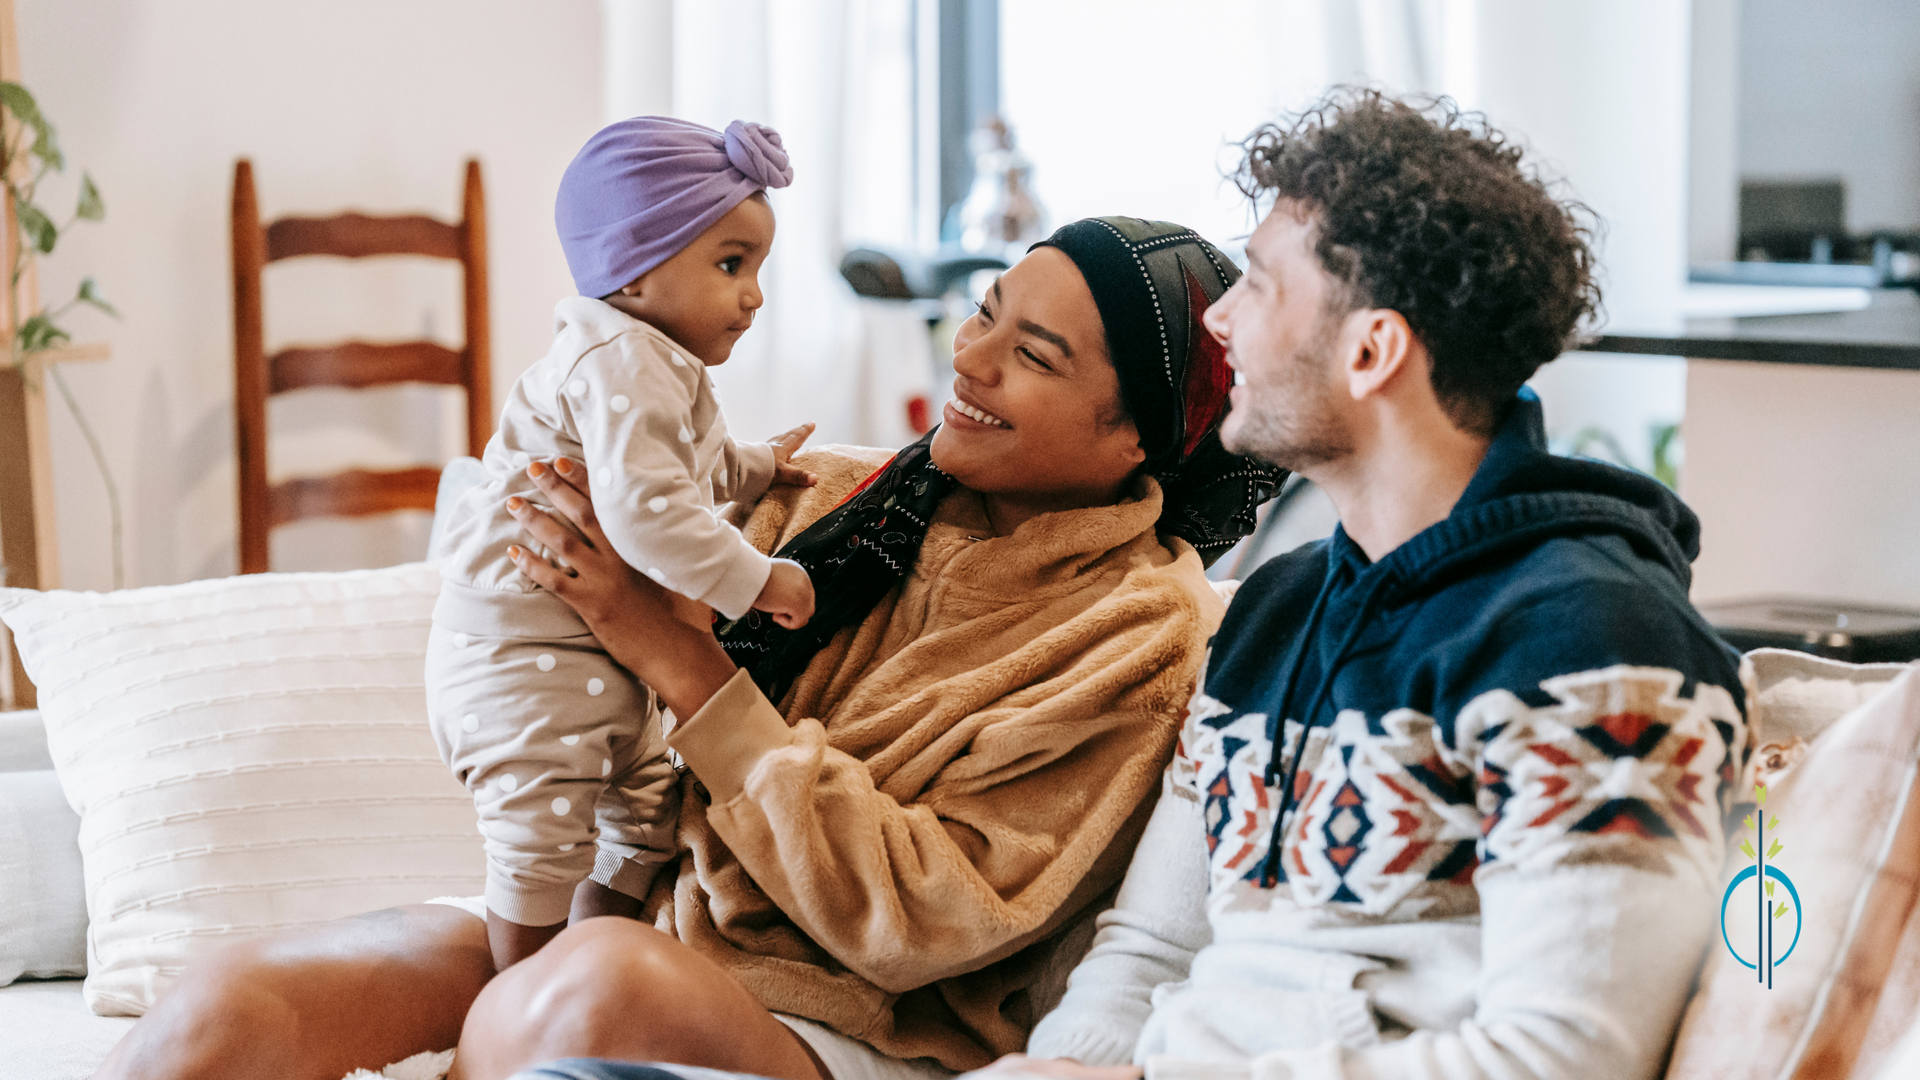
318, 1002
620, 989
225, 1017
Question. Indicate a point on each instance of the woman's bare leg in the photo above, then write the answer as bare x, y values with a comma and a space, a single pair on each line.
616, 988
315, 1004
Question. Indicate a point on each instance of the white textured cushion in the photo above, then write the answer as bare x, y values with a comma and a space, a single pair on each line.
245, 754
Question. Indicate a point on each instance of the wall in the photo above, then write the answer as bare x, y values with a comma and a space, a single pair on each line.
1158, 144
1713, 144
1107, 136
1833, 89
1597, 91
1806, 480
355, 102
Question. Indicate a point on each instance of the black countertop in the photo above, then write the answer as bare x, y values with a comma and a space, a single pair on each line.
1884, 335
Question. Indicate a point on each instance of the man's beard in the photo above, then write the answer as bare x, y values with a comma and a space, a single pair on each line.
1292, 422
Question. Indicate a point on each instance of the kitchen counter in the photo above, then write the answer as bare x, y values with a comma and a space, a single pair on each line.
1885, 334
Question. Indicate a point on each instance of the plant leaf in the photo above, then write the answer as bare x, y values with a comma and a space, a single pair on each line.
36, 225
90, 294
1773, 823
1781, 910
45, 148
1746, 848
20, 103
1773, 849
91, 207
39, 333
1760, 790
1747, 822
1770, 887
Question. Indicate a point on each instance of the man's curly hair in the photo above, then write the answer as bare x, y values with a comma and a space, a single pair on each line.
1429, 212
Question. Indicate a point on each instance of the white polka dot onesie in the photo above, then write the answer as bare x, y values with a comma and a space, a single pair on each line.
560, 746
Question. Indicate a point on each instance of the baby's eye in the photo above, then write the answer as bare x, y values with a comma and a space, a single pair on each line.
730, 265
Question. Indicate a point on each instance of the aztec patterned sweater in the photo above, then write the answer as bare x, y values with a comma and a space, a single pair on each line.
1508, 743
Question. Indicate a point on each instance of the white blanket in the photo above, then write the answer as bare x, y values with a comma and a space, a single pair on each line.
427, 1066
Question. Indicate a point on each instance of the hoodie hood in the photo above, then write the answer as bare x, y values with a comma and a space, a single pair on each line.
1523, 495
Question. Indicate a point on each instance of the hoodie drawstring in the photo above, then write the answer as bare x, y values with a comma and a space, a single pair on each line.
1270, 873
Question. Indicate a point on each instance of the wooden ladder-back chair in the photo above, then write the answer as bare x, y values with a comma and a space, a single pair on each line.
351, 364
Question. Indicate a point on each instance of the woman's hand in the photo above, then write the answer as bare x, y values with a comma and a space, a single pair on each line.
631, 614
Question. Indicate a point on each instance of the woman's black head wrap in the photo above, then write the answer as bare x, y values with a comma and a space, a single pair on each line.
1152, 281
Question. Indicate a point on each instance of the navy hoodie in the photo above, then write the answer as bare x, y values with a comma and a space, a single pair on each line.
1457, 812
1547, 567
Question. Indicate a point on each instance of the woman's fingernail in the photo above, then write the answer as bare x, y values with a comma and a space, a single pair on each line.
514, 504
514, 552
563, 465
537, 469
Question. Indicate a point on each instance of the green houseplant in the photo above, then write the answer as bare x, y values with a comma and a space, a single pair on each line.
28, 152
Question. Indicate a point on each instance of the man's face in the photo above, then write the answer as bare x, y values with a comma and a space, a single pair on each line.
1282, 337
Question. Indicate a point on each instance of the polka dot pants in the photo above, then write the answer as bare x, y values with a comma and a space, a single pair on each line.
562, 751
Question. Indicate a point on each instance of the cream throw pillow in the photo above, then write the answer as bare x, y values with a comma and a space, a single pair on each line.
245, 754
1838, 746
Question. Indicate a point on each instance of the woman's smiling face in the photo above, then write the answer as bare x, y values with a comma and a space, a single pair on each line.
1036, 422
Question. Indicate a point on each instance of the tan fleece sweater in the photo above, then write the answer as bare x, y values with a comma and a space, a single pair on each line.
952, 780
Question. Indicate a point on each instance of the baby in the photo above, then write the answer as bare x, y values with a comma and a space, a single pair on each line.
667, 224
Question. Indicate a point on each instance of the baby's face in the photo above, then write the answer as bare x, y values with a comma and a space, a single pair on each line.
705, 296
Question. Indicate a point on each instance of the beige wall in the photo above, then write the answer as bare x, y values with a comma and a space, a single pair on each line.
352, 102
1807, 481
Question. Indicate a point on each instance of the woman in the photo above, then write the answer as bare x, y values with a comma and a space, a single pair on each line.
1011, 616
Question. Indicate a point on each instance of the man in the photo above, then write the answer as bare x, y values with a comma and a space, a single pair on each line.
1449, 801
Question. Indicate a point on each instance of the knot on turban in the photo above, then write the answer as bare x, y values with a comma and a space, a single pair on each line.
756, 151
642, 189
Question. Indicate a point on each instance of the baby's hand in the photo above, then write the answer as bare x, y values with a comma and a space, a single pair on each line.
788, 595
784, 447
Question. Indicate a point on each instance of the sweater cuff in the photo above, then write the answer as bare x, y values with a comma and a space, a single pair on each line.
729, 735
740, 583
1107, 1044
1323, 1062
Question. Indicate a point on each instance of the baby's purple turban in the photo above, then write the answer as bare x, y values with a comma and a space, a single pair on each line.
642, 189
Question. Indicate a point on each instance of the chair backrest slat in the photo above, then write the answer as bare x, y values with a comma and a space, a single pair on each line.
358, 364
355, 236
353, 493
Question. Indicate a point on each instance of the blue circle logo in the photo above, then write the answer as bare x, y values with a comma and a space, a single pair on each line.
1773, 874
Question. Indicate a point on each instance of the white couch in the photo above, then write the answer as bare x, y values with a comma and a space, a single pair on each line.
46, 1030
233, 680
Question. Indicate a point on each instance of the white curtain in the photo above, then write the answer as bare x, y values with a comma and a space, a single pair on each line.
835, 78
